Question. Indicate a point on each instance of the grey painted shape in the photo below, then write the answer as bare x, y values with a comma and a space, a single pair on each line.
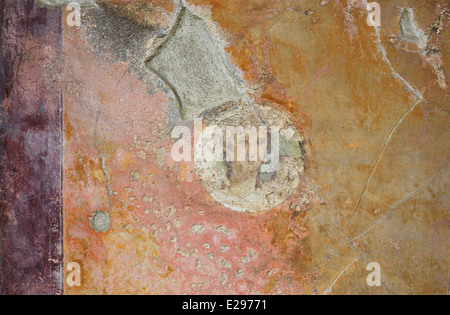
100, 222
194, 65
409, 30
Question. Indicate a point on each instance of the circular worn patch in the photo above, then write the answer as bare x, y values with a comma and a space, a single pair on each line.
253, 184
100, 222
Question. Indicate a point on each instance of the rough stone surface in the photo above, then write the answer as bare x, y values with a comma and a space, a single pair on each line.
194, 66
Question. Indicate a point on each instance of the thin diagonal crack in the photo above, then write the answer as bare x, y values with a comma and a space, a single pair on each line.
407, 85
109, 190
410, 89
419, 98
330, 288
270, 28
379, 157
120, 80
429, 182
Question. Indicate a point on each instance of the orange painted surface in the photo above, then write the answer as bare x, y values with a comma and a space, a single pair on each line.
376, 168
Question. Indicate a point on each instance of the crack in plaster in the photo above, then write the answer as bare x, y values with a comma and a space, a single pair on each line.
391, 210
330, 288
386, 142
270, 28
397, 76
410, 89
109, 190
420, 98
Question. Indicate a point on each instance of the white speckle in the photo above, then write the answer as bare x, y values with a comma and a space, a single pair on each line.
160, 156
224, 279
239, 273
222, 229
211, 256
183, 253
135, 175
198, 229
171, 211
224, 248
225, 263
147, 198
142, 155
253, 253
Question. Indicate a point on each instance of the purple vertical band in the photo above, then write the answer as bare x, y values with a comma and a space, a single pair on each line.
30, 149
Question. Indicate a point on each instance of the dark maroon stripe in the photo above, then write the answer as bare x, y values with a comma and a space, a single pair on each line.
30, 151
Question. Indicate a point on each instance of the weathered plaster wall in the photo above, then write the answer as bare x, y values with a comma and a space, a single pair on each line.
377, 153
30, 150
370, 104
